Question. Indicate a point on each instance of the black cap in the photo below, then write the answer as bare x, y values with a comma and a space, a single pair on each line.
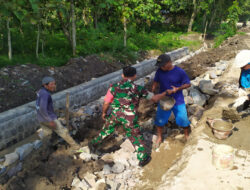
162, 60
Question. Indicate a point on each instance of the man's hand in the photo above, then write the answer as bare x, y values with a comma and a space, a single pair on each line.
52, 125
155, 86
105, 109
173, 90
157, 97
169, 92
104, 116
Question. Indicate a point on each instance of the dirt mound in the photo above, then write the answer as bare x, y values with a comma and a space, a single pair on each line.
18, 84
199, 63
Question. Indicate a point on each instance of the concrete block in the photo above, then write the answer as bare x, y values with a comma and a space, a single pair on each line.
10, 158
37, 144
24, 150
127, 145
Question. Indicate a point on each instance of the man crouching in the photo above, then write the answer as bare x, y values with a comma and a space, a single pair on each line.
46, 115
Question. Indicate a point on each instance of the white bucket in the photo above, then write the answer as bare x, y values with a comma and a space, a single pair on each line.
223, 156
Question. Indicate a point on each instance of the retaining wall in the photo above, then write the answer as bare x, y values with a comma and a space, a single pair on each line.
20, 122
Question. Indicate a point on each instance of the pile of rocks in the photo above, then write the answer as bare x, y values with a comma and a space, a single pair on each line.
202, 89
11, 163
120, 170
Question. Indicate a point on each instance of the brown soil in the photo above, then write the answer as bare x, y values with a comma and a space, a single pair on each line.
18, 84
199, 63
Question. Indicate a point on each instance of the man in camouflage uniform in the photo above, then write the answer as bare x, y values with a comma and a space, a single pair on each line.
124, 98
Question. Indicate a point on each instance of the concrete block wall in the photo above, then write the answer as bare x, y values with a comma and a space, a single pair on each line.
19, 123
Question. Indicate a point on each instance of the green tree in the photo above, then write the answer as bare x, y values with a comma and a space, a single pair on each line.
245, 13
6, 12
233, 15
147, 10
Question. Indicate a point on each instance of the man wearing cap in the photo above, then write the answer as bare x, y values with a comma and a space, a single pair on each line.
172, 79
124, 98
46, 115
242, 60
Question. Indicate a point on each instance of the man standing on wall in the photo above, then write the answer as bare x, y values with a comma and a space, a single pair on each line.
124, 99
46, 115
173, 80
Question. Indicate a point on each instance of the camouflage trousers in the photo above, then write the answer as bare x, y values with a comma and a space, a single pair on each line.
131, 127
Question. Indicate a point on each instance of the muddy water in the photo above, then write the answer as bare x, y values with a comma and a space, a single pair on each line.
222, 125
238, 139
162, 160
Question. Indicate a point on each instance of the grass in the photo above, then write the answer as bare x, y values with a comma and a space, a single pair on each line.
241, 33
108, 45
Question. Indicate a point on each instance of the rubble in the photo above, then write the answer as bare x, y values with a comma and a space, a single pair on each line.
120, 168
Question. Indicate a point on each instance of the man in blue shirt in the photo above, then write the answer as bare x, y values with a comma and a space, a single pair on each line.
245, 76
242, 61
173, 80
46, 115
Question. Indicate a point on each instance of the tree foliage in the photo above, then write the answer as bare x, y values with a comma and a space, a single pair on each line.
61, 27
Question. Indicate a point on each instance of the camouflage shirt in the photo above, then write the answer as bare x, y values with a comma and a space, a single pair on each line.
126, 96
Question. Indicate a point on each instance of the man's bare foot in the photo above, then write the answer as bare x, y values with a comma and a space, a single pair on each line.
159, 136
157, 143
187, 131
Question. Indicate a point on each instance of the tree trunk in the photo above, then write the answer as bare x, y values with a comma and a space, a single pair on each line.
37, 40
192, 17
213, 15
205, 31
95, 19
204, 19
73, 27
9, 39
42, 44
67, 110
125, 31
244, 23
65, 30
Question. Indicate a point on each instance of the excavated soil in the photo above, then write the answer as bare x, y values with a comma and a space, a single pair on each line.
54, 167
199, 63
18, 84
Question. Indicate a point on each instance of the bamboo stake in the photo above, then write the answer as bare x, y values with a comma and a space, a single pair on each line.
67, 110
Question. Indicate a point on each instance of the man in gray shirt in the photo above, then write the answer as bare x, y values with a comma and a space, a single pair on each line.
46, 115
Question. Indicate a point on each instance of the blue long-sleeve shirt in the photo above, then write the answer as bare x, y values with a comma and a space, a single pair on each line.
44, 106
245, 79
